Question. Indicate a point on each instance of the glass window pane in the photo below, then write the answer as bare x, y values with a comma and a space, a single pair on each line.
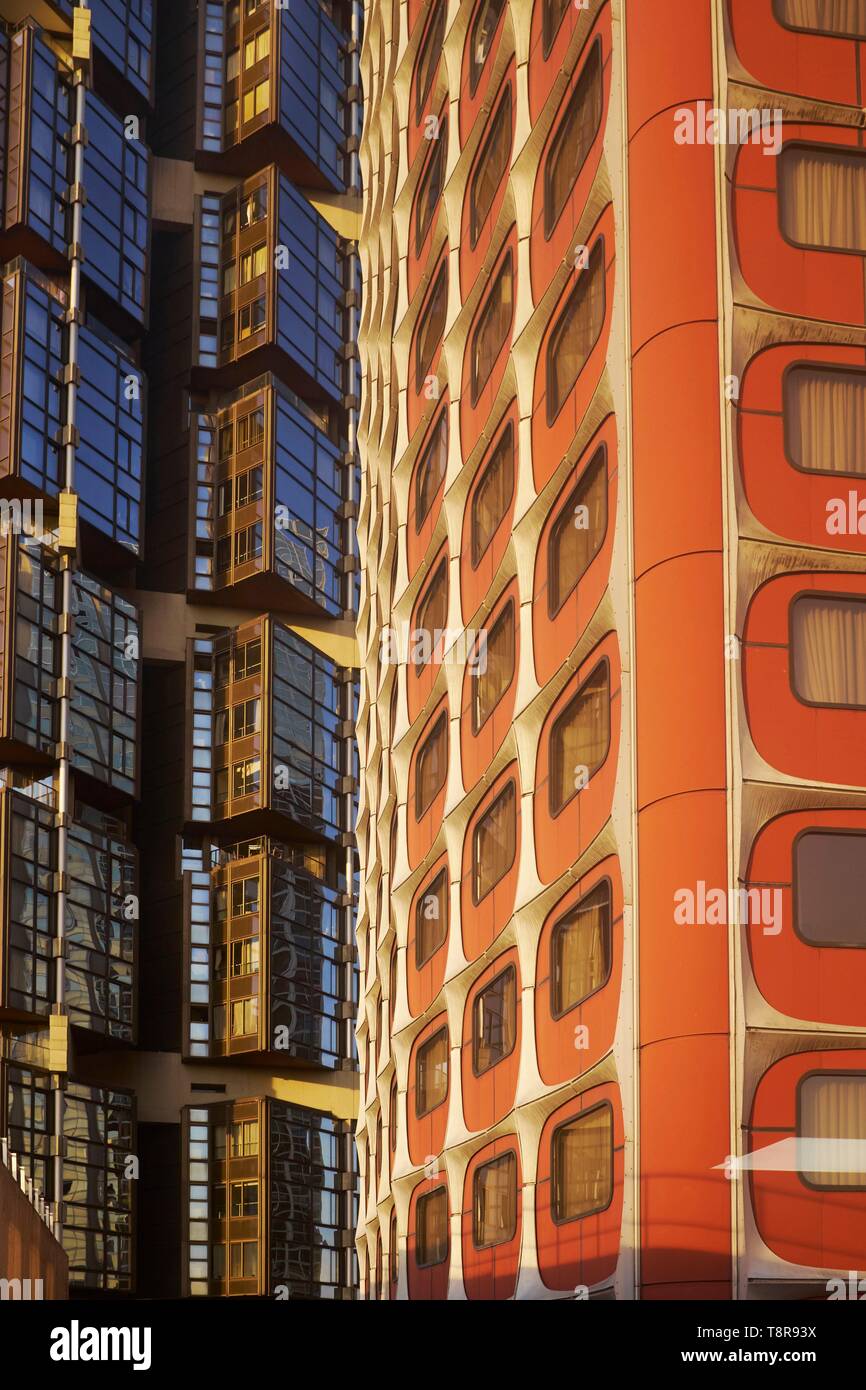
830, 888
832, 1107
577, 534
580, 738
825, 419
828, 657
822, 197
576, 332
494, 843
581, 951
494, 1207
582, 1165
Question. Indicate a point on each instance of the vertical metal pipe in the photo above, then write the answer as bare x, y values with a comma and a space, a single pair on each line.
63, 779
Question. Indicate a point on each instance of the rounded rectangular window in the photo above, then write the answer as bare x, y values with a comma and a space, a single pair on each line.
494, 1021
494, 1202
483, 29
576, 333
573, 140
431, 1073
431, 1229
431, 919
831, 1130
431, 470
428, 635
496, 657
552, 14
825, 419
580, 739
577, 534
581, 951
582, 1165
830, 887
492, 163
845, 18
494, 843
828, 651
432, 767
493, 328
493, 495
431, 188
431, 326
822, 197
428, 59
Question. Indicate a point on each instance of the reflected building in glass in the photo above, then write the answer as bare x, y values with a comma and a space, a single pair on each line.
179, 488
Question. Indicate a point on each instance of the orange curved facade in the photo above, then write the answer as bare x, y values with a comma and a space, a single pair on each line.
619, 937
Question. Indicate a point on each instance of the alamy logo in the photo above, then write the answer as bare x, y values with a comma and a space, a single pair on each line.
24, 1290
77, 1343
717, 907
19, 518
713, 125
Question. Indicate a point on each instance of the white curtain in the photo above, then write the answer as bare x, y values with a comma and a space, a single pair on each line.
829, 651
830, 16
823, 197
581, 950
580, 739
833, 1107
583, 1164
825, 413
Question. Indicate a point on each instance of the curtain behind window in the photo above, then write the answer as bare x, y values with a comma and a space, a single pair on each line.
581, 950
495, 1216
573, 140
490, 685
493, 495
580, 738
494, 843
828, 656
830, 16
576, 333
495, 1024
825, 419
822, 196
833, 1107
573, 546
583, 1165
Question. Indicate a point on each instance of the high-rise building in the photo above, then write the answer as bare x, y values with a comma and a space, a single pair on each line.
612, 728
178, 672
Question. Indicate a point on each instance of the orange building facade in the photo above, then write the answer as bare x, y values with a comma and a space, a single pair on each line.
612, 731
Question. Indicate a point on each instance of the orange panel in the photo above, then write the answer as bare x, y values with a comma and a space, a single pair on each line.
788, 500
677, 476
547, 253
787, 60
583, 1251
482, 922
426, 1134
822, 984
425, 983
815, 742
815, 284
473, 418
554, 638
567, 1047
428, 1283
551, 440
802, 1223
561, 839
472, 102
472, 257
680, 663
683, 967
662, 73
488, 1098
685, 1132
672, 218
475, 581
477, 750
492, 1272
420, 834
421, 679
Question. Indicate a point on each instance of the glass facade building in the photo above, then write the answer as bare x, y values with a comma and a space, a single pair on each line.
179, 487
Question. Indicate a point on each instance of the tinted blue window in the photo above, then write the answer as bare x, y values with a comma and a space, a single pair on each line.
307, 545
309, 292
311, 85
123, 30
115, 232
